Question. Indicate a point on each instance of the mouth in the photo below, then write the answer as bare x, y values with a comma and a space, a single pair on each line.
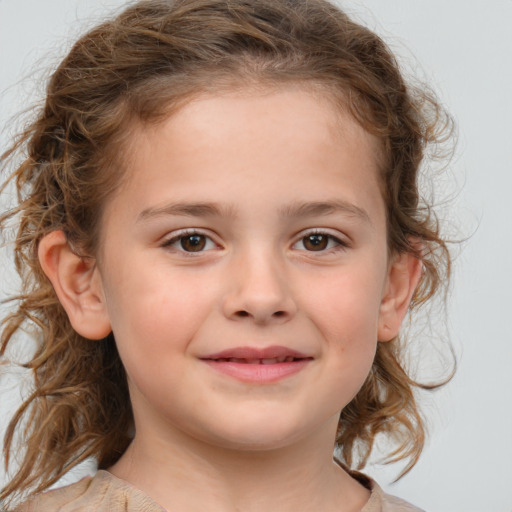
258, 365
265, 360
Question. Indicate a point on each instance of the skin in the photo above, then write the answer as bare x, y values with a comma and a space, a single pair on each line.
249, 446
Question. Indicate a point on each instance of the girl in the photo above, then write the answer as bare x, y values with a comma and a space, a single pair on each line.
219, 233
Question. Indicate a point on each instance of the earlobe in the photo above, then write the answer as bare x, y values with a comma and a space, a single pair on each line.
78, 286
403, 278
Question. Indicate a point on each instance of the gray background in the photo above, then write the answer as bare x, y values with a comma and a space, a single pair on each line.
463, 47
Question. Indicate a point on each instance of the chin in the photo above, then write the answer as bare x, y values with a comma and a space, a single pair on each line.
259, 436
259, 444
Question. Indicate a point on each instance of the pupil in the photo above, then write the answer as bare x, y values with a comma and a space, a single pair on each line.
315, 242
193, 243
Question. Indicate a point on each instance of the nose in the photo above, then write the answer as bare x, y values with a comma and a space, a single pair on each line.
259, 290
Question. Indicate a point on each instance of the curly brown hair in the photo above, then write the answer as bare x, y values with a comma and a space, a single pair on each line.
139, 67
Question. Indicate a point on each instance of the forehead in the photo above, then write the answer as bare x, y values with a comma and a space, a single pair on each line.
307, 112
294, 134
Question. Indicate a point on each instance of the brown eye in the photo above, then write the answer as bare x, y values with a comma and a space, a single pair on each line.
193, 243
190, 242
315, 242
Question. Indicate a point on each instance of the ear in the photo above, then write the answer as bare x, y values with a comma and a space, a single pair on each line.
77, 283
403, 277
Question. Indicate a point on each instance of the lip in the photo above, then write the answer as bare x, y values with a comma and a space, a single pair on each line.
272, 352
258, 365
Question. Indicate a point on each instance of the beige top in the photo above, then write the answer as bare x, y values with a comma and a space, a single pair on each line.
106, 493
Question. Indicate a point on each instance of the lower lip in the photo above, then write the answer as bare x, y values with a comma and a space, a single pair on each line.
258, 373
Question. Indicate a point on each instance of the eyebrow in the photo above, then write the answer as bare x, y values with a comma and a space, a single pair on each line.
321, 208
187, 210
293, 210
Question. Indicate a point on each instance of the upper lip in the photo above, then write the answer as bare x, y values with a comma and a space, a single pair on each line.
252, 353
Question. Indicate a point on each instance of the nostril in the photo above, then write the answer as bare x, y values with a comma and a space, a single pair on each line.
277, 314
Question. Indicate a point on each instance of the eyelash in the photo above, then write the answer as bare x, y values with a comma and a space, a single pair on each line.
187, 234
340, 245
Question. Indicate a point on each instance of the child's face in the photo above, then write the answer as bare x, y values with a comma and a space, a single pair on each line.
248, 222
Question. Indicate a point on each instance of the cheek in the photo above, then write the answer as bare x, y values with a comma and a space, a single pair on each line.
346, 305
345, 311
154, 313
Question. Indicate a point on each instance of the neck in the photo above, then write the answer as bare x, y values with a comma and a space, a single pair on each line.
297, 477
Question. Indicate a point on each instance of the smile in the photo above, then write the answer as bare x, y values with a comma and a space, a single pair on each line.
258, 365
267, 360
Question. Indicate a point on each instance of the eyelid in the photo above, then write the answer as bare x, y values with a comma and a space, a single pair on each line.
342, 241
173, 237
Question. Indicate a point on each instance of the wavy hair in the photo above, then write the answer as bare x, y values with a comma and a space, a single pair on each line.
137, 68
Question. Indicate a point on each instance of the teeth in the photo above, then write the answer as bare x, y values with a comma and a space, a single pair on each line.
268, 360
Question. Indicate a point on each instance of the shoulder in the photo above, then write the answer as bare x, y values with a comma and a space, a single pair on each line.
101, 492
54, 500
380, 501
390, 503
